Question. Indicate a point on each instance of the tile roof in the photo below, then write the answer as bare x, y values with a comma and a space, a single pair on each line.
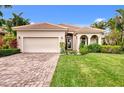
71, 28
90, 30
84, 30
66, 27
39, 26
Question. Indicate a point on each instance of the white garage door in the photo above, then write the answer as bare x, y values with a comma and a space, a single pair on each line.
41, 44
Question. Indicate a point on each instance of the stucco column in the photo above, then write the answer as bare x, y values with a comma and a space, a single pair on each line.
89, 37
99, 40
78, 42
74, 42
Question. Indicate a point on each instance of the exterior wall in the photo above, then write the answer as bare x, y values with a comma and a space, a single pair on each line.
89, 39
50, 33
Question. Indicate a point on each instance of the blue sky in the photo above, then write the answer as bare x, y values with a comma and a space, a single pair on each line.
78, 15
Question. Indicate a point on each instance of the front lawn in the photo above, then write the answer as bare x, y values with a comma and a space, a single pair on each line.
90, 70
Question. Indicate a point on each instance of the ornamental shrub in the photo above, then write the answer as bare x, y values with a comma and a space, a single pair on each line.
83, 49
95, 48
62, 46
13, 43
9, 41
111, 49
7, 52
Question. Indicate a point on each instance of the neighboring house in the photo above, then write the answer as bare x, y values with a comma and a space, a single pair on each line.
46, 37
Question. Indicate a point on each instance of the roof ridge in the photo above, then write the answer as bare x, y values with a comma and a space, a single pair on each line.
70, 25
93, 28
56, 25
26, 25
97, 28
39, 24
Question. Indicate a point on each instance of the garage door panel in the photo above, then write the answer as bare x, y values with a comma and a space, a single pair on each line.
41, 44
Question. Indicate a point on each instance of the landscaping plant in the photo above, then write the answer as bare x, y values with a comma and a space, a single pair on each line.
94, 48
71, 52
111, 49
62, 46
13, 43
9, 41
7, 52
1, 42
83, 49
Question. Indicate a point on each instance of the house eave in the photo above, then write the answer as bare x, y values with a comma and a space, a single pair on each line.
89, 32
39, 29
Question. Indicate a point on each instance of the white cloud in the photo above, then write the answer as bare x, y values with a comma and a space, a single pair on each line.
32, 23
100, 19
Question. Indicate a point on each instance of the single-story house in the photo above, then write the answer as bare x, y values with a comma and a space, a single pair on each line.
46, 37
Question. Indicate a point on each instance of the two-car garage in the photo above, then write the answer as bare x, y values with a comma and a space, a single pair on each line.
41, 44
40, 38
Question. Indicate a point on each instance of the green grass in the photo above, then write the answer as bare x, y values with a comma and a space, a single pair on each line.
91, 70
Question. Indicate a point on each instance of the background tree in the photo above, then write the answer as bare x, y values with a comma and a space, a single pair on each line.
100, 25
120, 23
111, 24
2, 21
113, 38
8, 26
18, 20
116, 29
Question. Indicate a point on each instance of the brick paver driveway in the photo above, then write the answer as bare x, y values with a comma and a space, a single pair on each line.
31, 70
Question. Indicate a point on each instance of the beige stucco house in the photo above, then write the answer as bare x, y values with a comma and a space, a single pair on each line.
46, 37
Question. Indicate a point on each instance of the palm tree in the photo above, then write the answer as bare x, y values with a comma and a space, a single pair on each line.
8, 25
120, 19
111, 24
2, 22
120, 23
18, 20
100, 25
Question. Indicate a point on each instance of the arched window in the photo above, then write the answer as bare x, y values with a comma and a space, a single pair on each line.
84, 39
94, 39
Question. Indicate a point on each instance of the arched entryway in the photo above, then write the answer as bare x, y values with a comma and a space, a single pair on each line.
84, 39
94, 39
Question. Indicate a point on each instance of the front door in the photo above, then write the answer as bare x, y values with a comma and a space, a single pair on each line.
69, 43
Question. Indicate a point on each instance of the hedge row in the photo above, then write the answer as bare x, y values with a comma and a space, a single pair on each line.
95, 48
7, 52
110, 49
